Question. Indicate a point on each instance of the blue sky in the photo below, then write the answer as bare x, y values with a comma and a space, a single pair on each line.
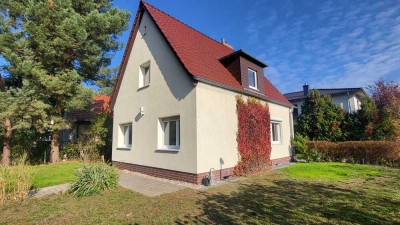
326, 44
323, 43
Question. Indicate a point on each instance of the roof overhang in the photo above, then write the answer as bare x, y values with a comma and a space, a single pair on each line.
241, 91
244, 55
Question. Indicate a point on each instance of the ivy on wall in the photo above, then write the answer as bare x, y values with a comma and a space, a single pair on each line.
253, 137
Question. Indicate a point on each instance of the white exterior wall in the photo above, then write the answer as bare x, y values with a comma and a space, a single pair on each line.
217, 128
349, 103
208, 119
171, 92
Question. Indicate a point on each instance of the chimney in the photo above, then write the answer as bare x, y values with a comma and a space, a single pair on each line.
305, 89
226, 43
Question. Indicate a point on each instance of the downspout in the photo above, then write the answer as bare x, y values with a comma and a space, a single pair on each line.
291, 122
291, 149
348, 102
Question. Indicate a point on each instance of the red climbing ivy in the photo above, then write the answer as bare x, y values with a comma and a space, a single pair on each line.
253, 137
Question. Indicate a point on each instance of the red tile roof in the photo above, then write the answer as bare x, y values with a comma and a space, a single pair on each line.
100, 104
198, 53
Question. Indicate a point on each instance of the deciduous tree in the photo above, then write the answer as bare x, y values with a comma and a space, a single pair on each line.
386, 96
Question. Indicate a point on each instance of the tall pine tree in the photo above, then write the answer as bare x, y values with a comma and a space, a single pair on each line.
55, 46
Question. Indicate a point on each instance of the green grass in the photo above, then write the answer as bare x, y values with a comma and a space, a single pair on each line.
331, 171
54, 174
275, 197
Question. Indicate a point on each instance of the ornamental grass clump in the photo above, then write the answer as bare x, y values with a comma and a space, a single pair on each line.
15, 181
92, 179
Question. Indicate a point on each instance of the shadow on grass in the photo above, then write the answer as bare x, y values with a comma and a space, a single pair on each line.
295, 202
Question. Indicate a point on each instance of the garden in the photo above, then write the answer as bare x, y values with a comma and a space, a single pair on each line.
312, 193
347, 170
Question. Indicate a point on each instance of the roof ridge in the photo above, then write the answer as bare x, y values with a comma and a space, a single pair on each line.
324, 89
145, 3
292, 92
336, 88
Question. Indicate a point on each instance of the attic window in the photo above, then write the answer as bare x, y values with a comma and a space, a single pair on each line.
144, 75
252, 78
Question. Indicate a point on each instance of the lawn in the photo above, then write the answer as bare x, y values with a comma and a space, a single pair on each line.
54, 174
315, 193
331, 171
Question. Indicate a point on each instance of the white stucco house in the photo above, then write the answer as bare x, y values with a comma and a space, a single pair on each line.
174, 106
347, 98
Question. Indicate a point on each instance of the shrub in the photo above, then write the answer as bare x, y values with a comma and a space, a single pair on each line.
364, 152
92, 179
72, 151
15, 181
320, 119
302, 152
93, 142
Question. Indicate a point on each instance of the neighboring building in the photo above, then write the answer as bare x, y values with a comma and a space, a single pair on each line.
81, 119
347, 98
174, 105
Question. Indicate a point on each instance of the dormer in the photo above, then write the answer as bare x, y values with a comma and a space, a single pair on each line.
246, 69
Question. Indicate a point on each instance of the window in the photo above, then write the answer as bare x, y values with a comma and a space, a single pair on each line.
252, 78
295, 110
126, 137
276, 135
144, 75
358, 104
170, 133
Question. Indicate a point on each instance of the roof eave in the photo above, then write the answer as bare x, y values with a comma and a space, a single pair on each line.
241, 91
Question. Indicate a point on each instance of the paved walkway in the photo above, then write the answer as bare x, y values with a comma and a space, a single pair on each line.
147, 185
49, 190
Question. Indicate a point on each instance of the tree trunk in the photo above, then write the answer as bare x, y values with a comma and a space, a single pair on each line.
55, 147
6, 144
55, 136
7, 128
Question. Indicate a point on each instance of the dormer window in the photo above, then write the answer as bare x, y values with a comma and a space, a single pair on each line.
252, 78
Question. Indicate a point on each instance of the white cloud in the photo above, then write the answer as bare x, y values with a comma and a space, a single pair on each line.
332, 44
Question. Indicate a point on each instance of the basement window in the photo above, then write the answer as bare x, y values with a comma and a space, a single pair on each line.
144, 75
252, 78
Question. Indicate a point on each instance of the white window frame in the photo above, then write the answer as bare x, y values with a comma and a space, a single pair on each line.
162, 145
255, 79
142, 69
122, 139
279, 141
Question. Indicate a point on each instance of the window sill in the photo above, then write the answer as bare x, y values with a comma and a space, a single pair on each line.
124, 148
254, 91
144, 87
254, 88
276, 143
168, 149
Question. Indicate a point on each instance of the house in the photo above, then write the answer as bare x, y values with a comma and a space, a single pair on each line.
81, 119
347, 98
174, 101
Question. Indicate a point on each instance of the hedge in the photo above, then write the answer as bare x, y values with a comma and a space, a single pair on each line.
364, 152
